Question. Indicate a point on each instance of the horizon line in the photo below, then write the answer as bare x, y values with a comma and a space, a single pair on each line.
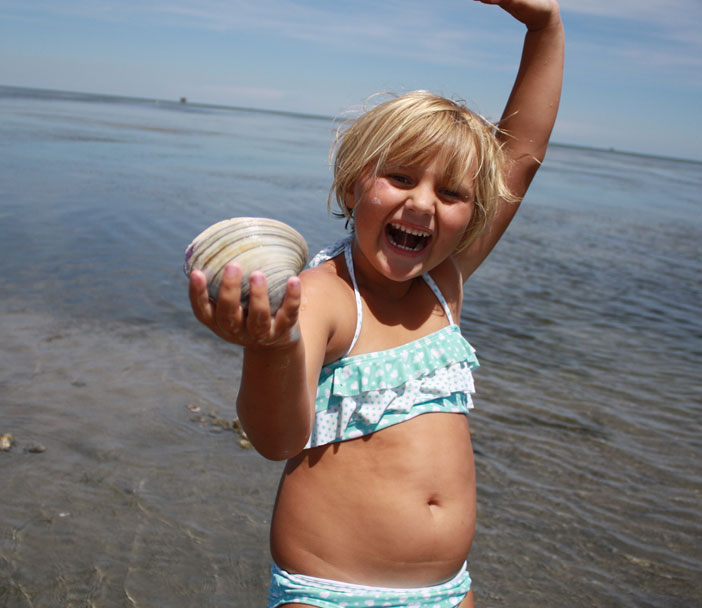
183, 101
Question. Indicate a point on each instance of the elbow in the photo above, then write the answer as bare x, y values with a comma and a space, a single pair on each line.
276, 456
277, 447
275, 435
277, 453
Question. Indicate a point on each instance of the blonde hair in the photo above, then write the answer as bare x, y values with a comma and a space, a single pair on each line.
413, 129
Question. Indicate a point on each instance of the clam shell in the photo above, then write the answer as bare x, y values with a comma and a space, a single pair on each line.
256, 243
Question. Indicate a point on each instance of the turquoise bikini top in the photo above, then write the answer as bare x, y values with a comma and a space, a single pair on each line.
364, 393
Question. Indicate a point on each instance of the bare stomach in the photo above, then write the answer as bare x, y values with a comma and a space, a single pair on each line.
393, 509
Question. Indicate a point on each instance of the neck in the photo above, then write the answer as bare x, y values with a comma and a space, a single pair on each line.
374, 283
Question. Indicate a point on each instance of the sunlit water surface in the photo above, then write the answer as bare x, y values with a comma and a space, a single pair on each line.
126, 487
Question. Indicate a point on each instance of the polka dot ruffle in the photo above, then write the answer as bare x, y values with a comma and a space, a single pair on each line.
365, 393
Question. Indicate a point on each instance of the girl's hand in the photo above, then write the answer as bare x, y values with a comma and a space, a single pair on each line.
535, 14
257, 328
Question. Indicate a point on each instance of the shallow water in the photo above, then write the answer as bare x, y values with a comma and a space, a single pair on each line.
586, 320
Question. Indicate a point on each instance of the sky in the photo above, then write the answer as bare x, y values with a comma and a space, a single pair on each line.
633, 79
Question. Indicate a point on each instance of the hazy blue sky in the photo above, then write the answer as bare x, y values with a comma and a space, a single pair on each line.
633, 68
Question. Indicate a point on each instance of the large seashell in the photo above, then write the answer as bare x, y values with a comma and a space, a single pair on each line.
256, 243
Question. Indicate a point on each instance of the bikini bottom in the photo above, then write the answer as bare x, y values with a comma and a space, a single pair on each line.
289, 588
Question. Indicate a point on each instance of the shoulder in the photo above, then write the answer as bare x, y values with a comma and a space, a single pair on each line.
448, 278
326, 277
328, 308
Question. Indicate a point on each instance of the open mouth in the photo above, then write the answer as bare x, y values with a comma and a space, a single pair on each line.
406, 238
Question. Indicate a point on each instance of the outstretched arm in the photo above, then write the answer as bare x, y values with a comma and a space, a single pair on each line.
274, 404
529, 115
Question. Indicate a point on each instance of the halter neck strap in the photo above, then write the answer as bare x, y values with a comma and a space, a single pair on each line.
345, 245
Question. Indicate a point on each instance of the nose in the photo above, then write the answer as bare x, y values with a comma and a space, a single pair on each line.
421, 199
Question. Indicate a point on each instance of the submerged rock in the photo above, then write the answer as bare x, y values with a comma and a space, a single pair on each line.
6, 442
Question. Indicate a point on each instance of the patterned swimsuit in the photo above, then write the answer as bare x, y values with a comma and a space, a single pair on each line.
361, 394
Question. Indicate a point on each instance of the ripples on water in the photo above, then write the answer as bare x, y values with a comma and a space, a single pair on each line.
586, 320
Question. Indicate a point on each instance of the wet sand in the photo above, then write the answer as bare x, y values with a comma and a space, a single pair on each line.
142, 496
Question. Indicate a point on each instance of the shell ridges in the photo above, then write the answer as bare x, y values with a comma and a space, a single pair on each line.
255, 243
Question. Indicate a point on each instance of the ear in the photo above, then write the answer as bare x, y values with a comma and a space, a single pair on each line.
350, 197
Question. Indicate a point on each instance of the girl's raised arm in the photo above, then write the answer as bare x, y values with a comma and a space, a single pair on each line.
529, 115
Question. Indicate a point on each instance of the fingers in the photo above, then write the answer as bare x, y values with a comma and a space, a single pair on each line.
256, 326
228, 314
292, 300
258, 318
264, 328
199, 298
287, 315
535, 14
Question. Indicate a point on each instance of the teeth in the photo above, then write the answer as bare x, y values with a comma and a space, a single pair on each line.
403, 247
407, 238
410, 231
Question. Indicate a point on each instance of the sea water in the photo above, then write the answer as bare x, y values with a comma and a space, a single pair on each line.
126, 485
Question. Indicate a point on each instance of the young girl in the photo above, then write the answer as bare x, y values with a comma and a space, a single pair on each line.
362, 380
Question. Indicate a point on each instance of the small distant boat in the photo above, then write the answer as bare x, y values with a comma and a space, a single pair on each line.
183, 100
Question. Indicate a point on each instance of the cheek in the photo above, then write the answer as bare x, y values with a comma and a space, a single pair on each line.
462, 213
370, 191
470, 215
461, 219
380, 187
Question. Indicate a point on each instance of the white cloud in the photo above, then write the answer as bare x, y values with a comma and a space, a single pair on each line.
411, 29
657, 35
677, 20
631, 9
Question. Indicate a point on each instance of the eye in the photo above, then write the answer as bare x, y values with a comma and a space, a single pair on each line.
455, 196
399, 178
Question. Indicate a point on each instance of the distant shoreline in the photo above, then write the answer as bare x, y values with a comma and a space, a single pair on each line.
185, 102
676, 159
76, 95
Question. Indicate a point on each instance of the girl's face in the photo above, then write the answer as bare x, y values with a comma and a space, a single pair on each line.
408, 219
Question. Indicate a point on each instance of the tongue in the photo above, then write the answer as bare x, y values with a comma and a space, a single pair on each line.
404, 239
410, 240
